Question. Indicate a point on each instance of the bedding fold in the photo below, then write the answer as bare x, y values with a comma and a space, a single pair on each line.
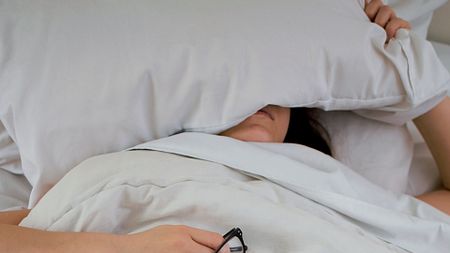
285, 197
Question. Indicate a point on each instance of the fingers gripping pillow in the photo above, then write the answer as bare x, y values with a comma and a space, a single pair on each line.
80, 78
417, 12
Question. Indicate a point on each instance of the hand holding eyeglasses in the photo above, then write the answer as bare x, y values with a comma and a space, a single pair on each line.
232, 242
181, 239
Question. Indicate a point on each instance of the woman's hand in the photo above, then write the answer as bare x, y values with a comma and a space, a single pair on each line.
385, 16
172, 238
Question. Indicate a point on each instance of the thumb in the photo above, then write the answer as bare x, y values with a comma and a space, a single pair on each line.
209, 239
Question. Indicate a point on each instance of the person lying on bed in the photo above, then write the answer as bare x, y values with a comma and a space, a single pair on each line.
280, 124
270, 124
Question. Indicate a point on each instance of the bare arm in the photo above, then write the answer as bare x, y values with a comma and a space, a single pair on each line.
162, 239
18, 239
440, 199
13, 217
435, 129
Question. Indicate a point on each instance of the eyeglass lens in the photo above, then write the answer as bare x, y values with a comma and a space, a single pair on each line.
233, 241
235, 245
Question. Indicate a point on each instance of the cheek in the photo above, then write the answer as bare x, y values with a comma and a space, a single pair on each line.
252, 130
255, 133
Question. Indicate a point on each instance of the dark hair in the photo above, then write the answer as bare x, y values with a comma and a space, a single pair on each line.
306, 130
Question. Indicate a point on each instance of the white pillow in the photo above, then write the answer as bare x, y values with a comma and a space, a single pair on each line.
14, 187
81, 78
380, 152
9, 153
14, 191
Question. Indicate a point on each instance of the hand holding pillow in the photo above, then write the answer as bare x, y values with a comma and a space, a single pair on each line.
385, 16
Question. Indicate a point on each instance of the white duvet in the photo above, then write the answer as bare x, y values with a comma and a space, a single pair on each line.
285, 198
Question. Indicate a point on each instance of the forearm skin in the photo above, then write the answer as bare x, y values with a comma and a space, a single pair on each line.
435, 129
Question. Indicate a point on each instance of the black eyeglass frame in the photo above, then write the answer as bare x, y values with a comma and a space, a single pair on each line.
229, 235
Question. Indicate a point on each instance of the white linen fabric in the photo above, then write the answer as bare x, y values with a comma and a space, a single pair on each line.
378, 151
401, 117
14, 191
9, 153
14, 187
424, 174
81, 78
375, 149
286, 198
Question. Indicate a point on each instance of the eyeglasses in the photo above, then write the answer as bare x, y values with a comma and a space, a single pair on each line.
234, 239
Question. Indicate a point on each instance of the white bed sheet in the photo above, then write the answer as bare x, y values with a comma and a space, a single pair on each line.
114, 187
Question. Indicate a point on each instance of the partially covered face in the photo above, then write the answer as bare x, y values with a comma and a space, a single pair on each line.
270, 124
